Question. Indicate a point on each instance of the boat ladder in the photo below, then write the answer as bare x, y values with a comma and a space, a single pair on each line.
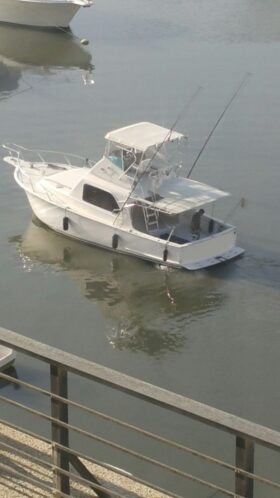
151, 218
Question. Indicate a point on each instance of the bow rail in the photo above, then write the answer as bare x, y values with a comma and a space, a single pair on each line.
47, 157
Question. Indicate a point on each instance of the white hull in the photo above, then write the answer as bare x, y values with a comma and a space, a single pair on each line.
44, 14
191, 256
125, 204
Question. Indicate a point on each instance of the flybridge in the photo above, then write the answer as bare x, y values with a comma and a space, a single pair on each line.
140, 151
141, 136
176, 195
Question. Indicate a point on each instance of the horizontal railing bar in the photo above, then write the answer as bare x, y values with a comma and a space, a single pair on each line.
161, 439
238, 470
143, 390
57, 469
193, 478
36, 151
22, 453
25, 489
120, 423
109, 467
50, 466
26, 478
73, 476
25, 431
115, 470
92, 484
104, 441
256, 477
65, 448
25, 466
119, 447
59, 494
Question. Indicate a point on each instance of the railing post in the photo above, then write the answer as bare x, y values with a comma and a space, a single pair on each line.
244, 459
60, 434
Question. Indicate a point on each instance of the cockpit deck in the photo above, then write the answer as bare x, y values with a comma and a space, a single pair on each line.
173, 228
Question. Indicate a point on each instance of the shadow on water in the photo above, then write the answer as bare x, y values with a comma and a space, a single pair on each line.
38, 52
9, 80
12, 372
148, 309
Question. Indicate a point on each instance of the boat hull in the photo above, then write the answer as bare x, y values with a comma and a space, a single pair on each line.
191, 256
38, 13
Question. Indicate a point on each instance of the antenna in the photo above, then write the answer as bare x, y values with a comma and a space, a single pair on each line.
240, 86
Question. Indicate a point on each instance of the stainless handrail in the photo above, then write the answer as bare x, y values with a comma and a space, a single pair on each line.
246, 433
19, 150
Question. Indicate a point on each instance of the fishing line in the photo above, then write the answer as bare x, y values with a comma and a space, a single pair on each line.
240, 86
241, 203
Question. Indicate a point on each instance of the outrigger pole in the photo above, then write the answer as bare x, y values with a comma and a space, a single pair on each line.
241, 85
189, 102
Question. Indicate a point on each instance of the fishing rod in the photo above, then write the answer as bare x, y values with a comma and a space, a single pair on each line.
240, 86
168, 135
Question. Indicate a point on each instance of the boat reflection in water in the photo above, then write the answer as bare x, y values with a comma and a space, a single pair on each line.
9, 80
40, 52
146, 308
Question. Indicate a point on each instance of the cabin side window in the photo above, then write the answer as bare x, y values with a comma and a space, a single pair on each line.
99, 198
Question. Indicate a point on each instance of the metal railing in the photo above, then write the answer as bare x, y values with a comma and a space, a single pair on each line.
47, 156
65, 456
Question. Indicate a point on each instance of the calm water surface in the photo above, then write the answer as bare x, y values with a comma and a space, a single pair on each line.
210, 335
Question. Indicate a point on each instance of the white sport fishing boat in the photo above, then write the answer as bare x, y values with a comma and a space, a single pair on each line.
133, 201
41, 13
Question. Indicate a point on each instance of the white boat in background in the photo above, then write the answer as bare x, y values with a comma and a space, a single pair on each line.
44, 53
41, 13
7, 357
133, 201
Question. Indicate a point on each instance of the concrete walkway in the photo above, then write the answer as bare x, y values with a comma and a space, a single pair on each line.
16, 469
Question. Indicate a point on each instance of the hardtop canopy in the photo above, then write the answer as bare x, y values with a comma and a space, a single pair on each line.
141, 136
176, 195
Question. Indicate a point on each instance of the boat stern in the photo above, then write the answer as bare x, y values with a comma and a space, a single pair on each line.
210, 251
233, 253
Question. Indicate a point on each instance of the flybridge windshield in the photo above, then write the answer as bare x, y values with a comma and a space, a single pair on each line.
168, 155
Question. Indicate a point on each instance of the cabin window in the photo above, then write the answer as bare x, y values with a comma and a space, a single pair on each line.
99, 198
121, 156
116, 158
